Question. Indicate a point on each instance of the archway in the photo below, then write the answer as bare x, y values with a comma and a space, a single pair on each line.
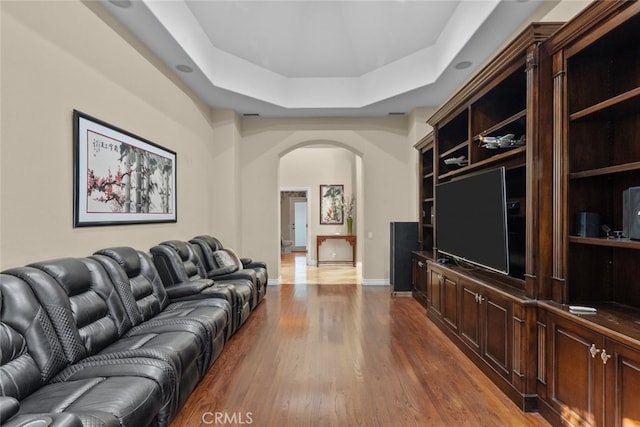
305, 167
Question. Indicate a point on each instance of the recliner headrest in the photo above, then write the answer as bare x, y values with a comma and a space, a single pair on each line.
213, 243
180, 247
72, 274
126, 257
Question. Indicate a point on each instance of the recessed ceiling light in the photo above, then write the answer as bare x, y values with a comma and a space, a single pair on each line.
184, 68
125, 4
462, 65
396, 113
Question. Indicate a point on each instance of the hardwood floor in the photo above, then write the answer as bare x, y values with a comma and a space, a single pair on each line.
345, 356
294, 270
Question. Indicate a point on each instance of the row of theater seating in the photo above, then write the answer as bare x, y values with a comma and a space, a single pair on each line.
121, 337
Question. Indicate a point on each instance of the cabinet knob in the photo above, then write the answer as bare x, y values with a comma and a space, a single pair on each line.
604, 356
593, 350
420, 264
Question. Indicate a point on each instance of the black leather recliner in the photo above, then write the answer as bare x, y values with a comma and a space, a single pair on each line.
87, 313
102, 342
148, 305
182, 272
212, 253
260, 267
230, 273
39, 384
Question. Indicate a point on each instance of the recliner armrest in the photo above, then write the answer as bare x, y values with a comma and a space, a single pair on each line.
240, 274
214, 272
52, 419
256, 264
8, 408
191, 287
246, 261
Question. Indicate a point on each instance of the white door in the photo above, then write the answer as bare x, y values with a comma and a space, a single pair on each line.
298, 209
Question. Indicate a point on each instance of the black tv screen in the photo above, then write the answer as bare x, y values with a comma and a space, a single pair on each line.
471, 219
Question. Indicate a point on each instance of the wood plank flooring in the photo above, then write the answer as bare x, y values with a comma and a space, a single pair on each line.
345, 356
294, 270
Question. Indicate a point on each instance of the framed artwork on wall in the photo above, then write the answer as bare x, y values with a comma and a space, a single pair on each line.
331, 198
120, 178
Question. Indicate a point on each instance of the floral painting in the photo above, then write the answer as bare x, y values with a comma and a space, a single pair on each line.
120, 177
331, 201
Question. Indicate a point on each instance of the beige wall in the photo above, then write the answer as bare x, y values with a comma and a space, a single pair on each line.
59, 56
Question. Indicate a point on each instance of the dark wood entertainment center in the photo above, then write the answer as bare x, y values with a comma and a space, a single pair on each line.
574, 91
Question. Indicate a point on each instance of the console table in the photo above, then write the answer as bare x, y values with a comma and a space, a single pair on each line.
348, 238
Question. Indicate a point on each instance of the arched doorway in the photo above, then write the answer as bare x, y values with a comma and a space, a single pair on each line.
306, 167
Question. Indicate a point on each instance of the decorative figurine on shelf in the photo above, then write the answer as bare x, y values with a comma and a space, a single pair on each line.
505, 141
458, 161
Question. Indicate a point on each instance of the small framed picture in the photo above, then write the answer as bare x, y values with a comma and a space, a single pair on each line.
331, 201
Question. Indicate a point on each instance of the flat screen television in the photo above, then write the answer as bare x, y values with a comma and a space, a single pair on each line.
471, 219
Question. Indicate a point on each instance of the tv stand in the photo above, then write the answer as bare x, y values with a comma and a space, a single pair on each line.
490, 321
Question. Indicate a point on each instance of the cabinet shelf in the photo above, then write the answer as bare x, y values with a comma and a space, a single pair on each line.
426, 179
633, 166
502, 124
603, 241
458, 147
511, 153
627, 102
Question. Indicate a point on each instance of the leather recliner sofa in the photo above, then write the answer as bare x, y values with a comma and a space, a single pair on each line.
75, 343
101, 341
41, 385
182, 271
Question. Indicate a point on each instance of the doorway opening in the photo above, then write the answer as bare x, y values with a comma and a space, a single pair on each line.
294, 221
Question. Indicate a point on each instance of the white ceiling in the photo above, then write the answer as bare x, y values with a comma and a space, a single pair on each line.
305, 58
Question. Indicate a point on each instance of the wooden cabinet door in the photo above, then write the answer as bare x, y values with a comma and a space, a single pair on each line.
420, 280
497, 331
435, 291
486, 325
450, 301
622, 385
470, 315
576, 377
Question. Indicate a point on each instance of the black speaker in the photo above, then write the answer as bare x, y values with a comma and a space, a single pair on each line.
586, 224
631, 213
404, 240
